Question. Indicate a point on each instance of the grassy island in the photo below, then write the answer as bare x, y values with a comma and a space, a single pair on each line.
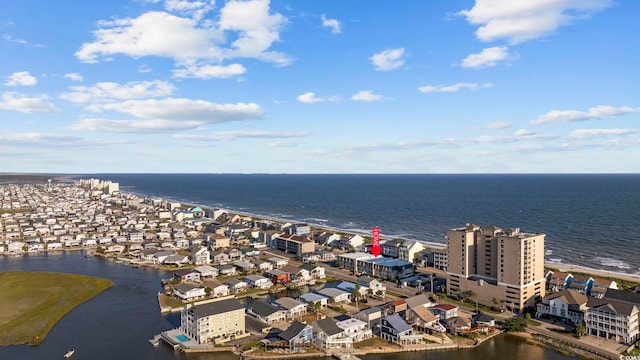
32, 302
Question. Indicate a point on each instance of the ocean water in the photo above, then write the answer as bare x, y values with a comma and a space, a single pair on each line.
591, 220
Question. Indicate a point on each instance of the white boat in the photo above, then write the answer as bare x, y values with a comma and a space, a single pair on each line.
69, 354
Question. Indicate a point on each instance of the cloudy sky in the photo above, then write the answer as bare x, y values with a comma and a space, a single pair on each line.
168, 86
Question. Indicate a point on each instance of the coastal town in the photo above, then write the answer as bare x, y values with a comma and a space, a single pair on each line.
269, 288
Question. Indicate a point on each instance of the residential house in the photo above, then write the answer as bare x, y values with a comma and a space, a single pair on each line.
420, 300
278, 276
189, 292
315, 271
568, 305
600, 287
206, 271
200, 255
483, 322
217, 241
459, 325
603, 313
350, 287
409, 250
217, 321
395, 307
325, 238
580, 283
444, 311
424, 320
338, 296
299, 335
394, 329
235, 254
236, 286
220, 258
313, 298
353, 240
355, 329
371, 316
262, 265
245, 266
187, 275
293, 307
218, 289
258, 281
378, 289
266, 312
278, 262
391, 248
177, 260
110, 249
329, 336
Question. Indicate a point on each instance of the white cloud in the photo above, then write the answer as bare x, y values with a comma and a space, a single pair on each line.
453, 88
234, 135
597, 112
488, 57
388, 59
524, 133
333, 24
582, 134
20, 41
195, 9
27, 105
187, 40
285, 144
109, 91
522, 20
210, 71
310, 98
498, 125
22, 78
166, 115
367, 96
74, 77
257, 30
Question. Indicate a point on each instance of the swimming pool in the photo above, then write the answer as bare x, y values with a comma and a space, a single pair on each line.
182, 337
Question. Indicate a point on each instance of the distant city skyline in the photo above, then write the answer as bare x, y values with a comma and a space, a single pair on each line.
259, 86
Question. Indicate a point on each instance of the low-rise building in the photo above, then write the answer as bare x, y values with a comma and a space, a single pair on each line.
216, 321
568, 305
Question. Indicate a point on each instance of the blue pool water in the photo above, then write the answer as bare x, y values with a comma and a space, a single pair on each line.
182, 337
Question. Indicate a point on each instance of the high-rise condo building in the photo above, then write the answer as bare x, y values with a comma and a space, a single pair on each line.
496, 267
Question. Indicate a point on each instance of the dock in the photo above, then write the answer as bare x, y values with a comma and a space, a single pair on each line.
156, 340
345, 356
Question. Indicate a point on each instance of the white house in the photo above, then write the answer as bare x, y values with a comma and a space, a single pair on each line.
355, 329
258, 281
338, 296
189, 292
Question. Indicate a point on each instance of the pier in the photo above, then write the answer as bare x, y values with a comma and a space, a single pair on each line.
345, 356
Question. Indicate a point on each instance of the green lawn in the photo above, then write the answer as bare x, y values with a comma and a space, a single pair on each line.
32, 302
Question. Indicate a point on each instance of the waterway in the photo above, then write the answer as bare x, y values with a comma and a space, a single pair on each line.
118, 323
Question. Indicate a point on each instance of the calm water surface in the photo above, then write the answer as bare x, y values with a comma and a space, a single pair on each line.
118, 323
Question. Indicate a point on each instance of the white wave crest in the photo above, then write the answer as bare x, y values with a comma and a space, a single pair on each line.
605, 261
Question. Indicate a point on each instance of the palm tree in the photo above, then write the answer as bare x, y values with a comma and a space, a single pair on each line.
355, 294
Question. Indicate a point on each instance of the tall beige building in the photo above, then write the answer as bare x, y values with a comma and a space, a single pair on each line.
499, 266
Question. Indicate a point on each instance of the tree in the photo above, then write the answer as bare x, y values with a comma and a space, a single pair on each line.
468, 294
355, 294
515, 323
580, 330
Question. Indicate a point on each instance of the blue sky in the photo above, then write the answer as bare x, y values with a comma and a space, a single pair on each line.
484, 86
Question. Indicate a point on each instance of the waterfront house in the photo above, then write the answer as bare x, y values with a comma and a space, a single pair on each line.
355, 329
395, 307
459, 325
580, 283
315, 271
394, 329
206, 271
409, 250
371, 316
54, 245
278, 276
218, 289
188, 292
600, 287
293, 307
602, 313
298, 336
258, 281
338, 296
325, 238
217, 321
186, 275
266, 312
444, 311
312, 298
329, 336
236, 285
483, 322
110, 249
176, 260
424, 320
568, 305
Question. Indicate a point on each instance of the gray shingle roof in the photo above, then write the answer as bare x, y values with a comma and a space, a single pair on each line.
328, 326
293, 330
217, 307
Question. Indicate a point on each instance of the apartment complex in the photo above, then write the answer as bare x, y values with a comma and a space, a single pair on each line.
216, 321
496, 265
294, 244
382, 267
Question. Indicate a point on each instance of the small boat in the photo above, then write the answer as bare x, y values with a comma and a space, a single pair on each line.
69, 354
